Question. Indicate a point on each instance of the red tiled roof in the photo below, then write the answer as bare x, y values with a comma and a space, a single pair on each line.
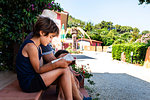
89, 40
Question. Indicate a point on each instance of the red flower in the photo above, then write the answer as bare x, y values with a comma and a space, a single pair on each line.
83, 72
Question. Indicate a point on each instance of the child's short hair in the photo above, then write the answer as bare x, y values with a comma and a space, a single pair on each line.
59, 52
46, 25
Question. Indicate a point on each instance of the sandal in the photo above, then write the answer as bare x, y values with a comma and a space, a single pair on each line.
87, 98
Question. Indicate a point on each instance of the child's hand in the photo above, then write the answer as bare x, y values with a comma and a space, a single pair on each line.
63, 63
62, 55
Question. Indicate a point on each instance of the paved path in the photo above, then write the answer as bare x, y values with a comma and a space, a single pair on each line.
116, 80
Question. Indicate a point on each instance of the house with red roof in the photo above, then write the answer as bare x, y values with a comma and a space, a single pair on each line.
82, 42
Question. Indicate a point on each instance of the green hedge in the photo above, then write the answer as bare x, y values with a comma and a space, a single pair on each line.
138, 49
16, 20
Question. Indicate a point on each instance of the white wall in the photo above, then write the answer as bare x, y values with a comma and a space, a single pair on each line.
83, 43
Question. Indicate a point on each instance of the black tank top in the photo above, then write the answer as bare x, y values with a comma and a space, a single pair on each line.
25, 71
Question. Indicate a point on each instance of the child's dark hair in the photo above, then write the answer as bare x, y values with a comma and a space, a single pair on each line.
59, 52
46, 25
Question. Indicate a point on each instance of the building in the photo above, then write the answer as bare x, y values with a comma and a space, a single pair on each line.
87, 42
62, 20
81, 43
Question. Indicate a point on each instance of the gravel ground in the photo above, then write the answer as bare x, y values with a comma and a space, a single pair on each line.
119, 87
116, 80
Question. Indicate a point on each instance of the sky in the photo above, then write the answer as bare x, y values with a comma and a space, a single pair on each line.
122, 12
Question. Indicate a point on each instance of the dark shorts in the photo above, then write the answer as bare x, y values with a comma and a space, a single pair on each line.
37, 84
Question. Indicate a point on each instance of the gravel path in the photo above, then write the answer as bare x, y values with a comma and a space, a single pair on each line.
116, 80
119, 87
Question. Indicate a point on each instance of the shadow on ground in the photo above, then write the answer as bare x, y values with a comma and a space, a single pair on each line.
82, 57
119, 86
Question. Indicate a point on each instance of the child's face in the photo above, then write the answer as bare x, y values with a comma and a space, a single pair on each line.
45, 40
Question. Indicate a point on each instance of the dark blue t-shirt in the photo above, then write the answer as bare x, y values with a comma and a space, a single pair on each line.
25, 71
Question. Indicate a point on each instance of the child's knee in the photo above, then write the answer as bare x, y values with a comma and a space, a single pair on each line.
67, 70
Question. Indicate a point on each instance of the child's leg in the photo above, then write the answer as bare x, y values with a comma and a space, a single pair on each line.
65, 80
60, 94
75, 90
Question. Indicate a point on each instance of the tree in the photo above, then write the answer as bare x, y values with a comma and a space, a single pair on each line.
129, 29
72, 22
118, 27
126, 36
95, 36
103, 31
88, 26
112, 34
136, 30
17, 18
145, 32
109, 25
119, 41
144, 1
123, 29
135, 36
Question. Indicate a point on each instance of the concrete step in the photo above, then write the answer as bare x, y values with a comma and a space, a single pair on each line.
14, 92
50, 93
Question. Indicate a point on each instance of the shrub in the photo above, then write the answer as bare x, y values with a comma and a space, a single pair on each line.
84, 70
17, 18
138, 49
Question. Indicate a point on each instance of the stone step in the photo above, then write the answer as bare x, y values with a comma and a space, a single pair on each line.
13, 92
50, 93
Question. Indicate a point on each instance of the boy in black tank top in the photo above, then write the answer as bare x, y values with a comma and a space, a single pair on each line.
31, 76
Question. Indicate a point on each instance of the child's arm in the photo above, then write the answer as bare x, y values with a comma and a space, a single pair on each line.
34, 59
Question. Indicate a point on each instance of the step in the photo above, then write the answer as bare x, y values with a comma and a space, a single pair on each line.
50, 93
14, 92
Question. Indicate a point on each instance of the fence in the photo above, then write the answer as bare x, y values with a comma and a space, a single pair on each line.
96, 48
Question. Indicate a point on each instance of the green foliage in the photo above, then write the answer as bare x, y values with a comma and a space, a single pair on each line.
106, 31
84, 71
88, 26
136, 30
126, 36
104, 24
138, 49
145, 32
124, 29
68, 35
144, 1
135, 36
72, 22
119, 41
17, 18
69, 49
94, 35
118, 27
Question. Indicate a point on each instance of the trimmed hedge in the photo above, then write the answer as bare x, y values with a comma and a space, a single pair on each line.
138, 49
